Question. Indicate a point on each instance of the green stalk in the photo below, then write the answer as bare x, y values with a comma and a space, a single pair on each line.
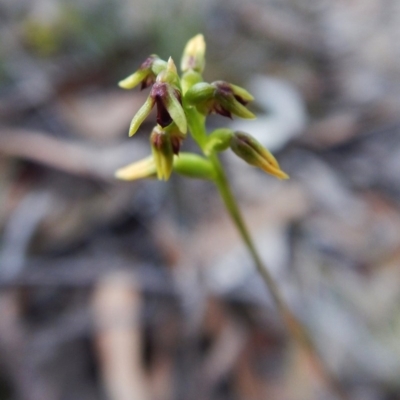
196, 123
296, 329
234, 211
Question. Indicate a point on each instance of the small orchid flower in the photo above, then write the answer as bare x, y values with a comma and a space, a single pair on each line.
146, 74
166, 95
220, 97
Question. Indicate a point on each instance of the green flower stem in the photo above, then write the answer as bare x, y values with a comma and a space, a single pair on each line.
196, 123
296, 329
234, 211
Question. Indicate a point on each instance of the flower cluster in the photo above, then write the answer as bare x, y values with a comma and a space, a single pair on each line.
182, 102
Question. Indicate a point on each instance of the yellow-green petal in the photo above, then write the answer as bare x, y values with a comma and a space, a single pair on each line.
250, 150
236, 108
242, 93
163, 154
175, 110
133, 80
145, 168
141, 115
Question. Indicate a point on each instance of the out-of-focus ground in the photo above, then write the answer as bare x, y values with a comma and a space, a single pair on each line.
143, 290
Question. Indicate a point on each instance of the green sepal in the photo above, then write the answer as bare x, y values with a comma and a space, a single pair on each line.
133, 80
163, 154
242, 93
170, 74
141, 115
233, 106
193, 166
146, 73
175, 110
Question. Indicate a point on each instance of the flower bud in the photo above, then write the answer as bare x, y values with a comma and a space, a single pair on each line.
200, 94
194, 54
163, 153
146, 74
145, 168
193, 166
251, 151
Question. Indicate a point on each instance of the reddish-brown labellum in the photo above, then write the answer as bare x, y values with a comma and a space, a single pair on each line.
159, 93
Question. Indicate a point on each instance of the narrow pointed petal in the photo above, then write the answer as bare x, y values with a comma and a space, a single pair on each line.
175, 110
163, 154
234, 107
167, 164
242, 93
257, 160
169, 74
171, 67
270, 169
133, 80
163, 163
146, 74
145, 168
141, 115
269, 157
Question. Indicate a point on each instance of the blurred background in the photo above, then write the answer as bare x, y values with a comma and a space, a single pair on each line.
118, 291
